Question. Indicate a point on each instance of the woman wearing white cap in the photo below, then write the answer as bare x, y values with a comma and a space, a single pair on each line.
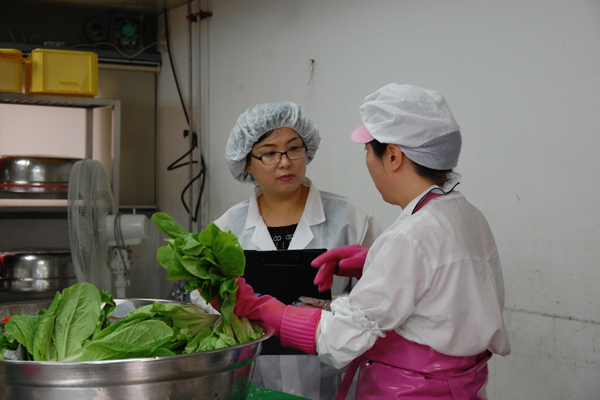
270, 146
426, 314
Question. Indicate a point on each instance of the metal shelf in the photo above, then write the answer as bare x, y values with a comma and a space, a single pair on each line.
89, 104
56, 101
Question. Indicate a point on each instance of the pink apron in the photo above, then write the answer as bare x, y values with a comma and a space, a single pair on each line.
396, 368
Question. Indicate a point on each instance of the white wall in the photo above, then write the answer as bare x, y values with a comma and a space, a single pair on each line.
522, 79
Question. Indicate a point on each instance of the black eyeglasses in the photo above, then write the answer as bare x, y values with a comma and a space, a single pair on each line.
273, 157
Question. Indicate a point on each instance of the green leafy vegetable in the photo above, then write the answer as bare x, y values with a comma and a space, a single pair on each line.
245, 330
76, 318
211, 260
9, 343
135, 340
43, 345
23, 328
106, 309
188, 318
76, 327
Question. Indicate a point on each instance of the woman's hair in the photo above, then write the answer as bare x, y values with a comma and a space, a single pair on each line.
439, 177
260, 139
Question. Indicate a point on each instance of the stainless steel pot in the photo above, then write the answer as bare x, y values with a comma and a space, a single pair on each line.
216, 374
34, 177
34, 275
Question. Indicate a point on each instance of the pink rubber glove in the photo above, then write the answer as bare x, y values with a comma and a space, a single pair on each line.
342, 261
264, 308
295, 326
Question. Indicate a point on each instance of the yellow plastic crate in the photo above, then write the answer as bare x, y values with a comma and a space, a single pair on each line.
11, 70
62, 72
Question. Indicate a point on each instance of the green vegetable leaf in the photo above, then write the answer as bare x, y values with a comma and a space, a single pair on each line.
190, 319
227, 298
76, 318
208, 235
43, 346
195, 266
169, 226
107, 306
7, 342
191, 246
258, 331
210, 260
131, 319
229, 254
168, 258
22, 328
224, 334
200, 342
162, 352
137, 340
240, 331
147, 309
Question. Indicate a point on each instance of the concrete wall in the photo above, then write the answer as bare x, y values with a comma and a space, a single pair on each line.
522, 79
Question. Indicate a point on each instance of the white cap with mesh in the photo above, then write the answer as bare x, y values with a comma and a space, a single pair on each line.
418, 120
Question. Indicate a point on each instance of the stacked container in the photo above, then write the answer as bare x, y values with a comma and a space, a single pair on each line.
11, 70
50, 72
62, 72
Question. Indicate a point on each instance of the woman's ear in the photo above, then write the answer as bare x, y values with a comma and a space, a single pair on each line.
394, 157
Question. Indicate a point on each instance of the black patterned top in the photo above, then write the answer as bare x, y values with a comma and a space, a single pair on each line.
282, 235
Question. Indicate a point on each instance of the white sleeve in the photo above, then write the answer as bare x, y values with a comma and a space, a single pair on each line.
392, 283
345, 333
394, 280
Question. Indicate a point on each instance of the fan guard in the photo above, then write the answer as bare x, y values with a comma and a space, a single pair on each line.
90, 201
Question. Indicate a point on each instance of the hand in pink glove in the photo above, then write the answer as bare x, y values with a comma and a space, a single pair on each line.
294, 325
341, 261
264, 308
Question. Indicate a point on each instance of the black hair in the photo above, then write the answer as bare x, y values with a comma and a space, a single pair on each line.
437, 176
260, 139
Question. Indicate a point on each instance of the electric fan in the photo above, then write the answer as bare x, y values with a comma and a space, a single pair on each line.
126, 31
98, 233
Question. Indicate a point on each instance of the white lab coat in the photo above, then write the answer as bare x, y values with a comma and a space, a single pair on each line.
434, 277
328, 221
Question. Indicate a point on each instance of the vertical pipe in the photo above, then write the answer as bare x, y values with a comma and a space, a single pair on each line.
116, 150
89, 132
199, 119
191, 122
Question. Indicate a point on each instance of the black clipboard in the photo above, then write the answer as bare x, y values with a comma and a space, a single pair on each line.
285, 275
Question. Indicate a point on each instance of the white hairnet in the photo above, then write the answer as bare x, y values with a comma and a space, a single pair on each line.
260, 119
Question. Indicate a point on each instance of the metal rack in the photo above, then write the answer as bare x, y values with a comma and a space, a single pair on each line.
89, 104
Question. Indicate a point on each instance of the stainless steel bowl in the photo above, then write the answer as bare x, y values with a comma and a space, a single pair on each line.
33, 177
216, 374
34, 275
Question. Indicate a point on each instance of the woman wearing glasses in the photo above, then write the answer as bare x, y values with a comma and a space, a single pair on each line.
270, 146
